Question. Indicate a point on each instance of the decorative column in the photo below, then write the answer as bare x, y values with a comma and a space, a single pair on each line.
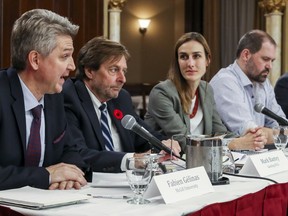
274, 9
115, 7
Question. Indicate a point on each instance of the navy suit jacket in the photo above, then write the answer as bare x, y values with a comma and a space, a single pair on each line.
86, 129
281, 89
13, 173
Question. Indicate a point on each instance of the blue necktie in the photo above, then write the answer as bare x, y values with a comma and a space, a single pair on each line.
105, 128
33, 152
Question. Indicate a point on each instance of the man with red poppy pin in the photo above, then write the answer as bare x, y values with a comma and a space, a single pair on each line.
100, 76
118, 114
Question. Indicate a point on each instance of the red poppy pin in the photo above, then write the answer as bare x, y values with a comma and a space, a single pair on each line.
118, 114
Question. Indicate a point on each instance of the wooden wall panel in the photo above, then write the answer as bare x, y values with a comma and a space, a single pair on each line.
61, 7
77, 15
92, 9
48, 4
25, 5
88, 14
9, 14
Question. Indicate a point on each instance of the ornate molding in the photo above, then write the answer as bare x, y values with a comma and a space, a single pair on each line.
271, 6
117, 4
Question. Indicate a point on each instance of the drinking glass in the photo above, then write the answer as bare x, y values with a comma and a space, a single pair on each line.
139, 175
155, 164
280, 137
178, 164
228, 164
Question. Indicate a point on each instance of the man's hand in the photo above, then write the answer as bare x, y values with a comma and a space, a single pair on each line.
254, 139
142, 154
260, 137
65, 185
66, 176
175, 146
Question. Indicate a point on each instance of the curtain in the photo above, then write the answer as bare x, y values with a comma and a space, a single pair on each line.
224, 22
237, 17
211, 31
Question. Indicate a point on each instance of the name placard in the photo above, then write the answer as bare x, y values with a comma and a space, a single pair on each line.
265, 164
180, 185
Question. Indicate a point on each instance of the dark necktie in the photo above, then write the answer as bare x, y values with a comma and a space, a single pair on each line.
106, 129
33, 151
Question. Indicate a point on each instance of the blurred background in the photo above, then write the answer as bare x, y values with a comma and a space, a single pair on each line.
222, 22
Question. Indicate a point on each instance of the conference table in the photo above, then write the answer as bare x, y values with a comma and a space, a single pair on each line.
247, 195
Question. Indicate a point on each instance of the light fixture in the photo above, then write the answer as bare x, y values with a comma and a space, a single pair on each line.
143, 25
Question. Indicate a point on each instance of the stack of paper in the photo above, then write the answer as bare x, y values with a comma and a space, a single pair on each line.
33, 198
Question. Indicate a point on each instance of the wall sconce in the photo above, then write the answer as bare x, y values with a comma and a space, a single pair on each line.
143, 25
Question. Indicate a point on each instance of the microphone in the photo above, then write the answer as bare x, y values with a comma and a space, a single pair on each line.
260, 108
129, 122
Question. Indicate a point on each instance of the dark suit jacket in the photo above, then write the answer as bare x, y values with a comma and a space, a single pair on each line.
13, 174
281, 90
86, 130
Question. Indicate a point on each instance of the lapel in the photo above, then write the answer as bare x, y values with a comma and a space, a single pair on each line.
111, 106
123, 133
186, 119
206, 107
18, 104
89, 109
48, 113
171, 90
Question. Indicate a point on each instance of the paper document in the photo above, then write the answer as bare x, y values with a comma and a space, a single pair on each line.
34, 198
109, 180
240, 157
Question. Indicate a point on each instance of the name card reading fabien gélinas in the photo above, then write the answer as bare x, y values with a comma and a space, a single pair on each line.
180, 185
265, 164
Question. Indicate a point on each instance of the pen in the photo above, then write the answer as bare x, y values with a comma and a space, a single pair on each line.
227, 159
109, 196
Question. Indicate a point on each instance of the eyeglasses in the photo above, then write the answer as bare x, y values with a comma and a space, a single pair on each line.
116, 70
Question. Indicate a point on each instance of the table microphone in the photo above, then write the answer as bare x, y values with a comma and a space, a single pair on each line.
260, 108
129, 122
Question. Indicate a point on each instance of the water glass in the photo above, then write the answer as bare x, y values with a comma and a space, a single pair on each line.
228, 164
177, 165
138, 175
280, 137
155, 164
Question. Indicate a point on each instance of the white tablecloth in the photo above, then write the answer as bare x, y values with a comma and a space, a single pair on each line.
118, 207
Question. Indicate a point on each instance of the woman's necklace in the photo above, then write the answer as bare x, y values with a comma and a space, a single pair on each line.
195, 108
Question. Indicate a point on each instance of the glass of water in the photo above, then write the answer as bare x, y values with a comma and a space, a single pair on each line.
155, 164
280, 137
138, 175
228, 164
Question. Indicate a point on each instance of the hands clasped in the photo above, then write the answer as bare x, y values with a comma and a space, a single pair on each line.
256, 138
65, 176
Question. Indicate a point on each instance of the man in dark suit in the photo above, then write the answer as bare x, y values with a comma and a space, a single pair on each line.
36, 149
99, 79
280, 89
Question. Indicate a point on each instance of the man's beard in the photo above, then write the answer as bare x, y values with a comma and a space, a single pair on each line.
256, 78
260, 77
